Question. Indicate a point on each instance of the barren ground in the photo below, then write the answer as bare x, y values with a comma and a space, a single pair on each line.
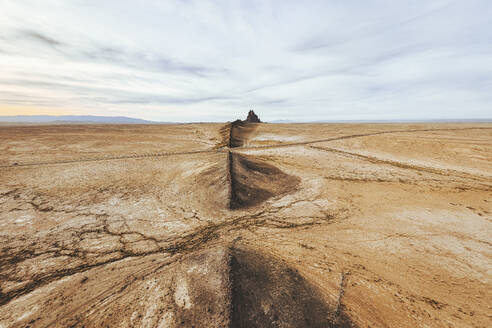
264, 225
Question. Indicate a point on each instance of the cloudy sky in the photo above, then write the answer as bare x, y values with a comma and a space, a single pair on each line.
213, 60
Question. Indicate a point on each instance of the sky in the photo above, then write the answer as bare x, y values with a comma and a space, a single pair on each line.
201, 60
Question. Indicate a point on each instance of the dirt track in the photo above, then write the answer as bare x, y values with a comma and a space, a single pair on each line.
379, 225
232, 138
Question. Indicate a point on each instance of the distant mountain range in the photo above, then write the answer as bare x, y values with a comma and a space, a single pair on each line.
74, 119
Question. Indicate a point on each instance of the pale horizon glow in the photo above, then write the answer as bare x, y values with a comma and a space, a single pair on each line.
187, 60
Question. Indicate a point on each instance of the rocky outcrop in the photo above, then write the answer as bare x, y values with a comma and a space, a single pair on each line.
253, 181
252, 118
235, 134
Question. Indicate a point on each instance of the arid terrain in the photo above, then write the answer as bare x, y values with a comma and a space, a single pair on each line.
246, 225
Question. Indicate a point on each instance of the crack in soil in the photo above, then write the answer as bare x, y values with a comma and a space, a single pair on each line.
190, 242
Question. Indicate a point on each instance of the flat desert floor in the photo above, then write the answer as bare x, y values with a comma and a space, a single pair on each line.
246, 225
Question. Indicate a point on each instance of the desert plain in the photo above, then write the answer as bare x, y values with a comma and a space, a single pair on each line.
246, 225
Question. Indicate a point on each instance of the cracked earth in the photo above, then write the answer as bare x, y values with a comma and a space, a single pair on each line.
246, 225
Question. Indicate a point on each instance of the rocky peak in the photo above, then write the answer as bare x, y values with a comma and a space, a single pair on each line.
252, 118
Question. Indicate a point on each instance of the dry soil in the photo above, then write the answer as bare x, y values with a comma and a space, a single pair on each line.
256, 225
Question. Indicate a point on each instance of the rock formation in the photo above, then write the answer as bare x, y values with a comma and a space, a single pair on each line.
234, 134
252, 118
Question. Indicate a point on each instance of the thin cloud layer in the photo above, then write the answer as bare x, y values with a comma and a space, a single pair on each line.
213, 60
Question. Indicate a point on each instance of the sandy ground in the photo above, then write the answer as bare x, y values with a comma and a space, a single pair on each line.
300, 225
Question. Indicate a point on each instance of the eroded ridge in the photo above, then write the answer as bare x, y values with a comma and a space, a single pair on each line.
253, 181
236, 133
266, 292
219, 286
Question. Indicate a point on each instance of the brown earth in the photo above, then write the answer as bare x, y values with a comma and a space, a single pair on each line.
236, 133
288, 225
253, 181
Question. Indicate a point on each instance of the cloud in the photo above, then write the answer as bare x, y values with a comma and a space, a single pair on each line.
36, 36
143, 61
163, 100
212, 60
